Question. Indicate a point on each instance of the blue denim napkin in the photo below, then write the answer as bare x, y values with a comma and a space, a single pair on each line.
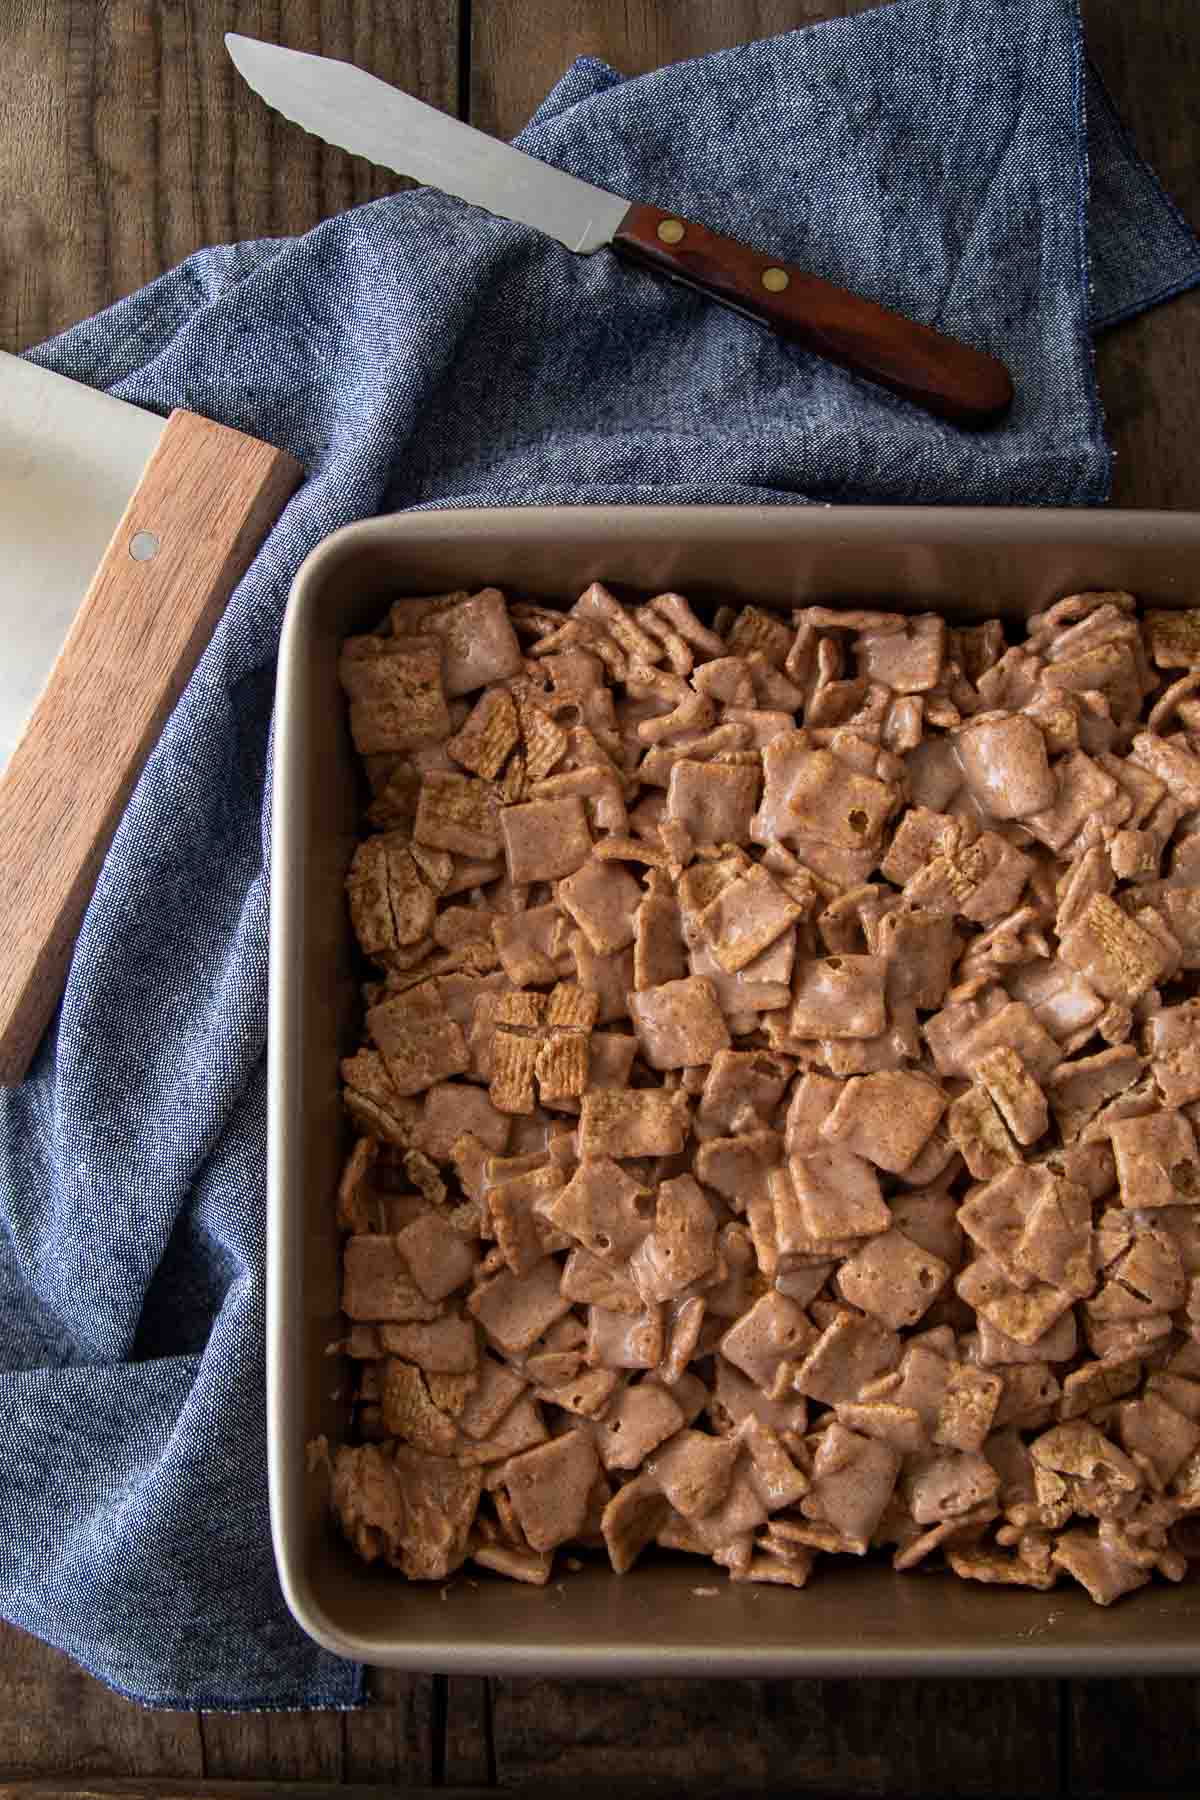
933, 154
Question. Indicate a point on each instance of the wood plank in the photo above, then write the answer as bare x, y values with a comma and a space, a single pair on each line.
69, 1788
518, 51
53, 1716
1130, 1738
864, 1737
1149, 369
130, 140
392, 1739
273, 1747
468, 1757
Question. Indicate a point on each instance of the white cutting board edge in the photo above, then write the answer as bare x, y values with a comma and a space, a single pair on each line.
70, 457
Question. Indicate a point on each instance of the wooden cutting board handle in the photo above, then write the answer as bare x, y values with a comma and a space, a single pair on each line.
196, 519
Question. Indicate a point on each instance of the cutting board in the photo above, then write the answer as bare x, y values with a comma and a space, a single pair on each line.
122, 536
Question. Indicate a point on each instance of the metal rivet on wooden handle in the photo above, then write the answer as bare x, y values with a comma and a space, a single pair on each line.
206, 501
941, 374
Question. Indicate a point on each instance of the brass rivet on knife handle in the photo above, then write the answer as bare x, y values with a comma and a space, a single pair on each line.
937, 372
209, 496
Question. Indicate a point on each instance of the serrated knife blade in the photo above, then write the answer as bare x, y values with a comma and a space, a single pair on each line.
357, 112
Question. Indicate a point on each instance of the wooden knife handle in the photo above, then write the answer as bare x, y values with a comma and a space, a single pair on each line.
206, 501
934, 371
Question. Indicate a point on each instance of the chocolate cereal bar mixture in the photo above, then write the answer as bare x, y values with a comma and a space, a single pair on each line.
776, 1106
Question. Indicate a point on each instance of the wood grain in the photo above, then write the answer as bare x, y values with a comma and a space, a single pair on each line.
866, 1737
130, 140
1149, 368
208, 498
519, 51
468, 1756
54, 1717
392, 1739
275, 1747
1133, 1737
70, 1788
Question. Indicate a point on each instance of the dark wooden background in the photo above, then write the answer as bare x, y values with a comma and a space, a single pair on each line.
127, 141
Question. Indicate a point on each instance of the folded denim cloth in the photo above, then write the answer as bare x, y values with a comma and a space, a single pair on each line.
415, 352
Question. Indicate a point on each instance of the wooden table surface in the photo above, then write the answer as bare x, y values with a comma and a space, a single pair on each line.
127, 141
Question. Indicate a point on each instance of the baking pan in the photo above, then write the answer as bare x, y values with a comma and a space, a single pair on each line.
664, 1618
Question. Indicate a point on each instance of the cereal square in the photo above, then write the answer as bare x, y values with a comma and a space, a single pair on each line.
545, 839
746, 918
603, 899
712, 802
886, 1117
1116, 954
893, 1279
1156, 1160
680, 1024
478, 643
394, 686
418, 1042
622, 1122
840, 997
458, 813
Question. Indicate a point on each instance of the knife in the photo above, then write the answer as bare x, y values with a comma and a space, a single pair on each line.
355, 111
123, 535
